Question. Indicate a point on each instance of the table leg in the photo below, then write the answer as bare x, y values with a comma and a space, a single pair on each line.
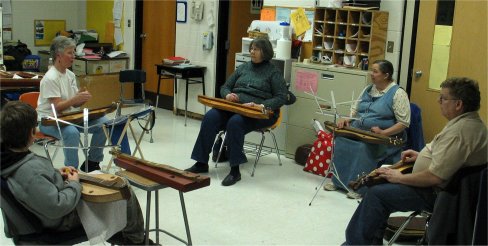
175, 100
157, 215
157, 92
203, 88
186, 100
185, 218
148, 216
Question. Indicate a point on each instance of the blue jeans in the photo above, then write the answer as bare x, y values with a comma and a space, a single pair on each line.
368, 222
236, 127
71, 138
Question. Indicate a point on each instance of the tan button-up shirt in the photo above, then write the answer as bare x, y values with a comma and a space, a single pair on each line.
462, 143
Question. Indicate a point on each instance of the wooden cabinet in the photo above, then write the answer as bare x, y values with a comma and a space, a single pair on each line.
83, 66
349, 36
342, 81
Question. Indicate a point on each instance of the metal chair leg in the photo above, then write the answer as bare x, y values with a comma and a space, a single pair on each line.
258, 154
276, 147
221, 146
402, 227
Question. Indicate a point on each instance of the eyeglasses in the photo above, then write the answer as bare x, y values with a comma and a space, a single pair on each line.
254, 49
441, 99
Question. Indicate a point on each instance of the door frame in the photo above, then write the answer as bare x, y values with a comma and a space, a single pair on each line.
222, 46
137, 42
413, 41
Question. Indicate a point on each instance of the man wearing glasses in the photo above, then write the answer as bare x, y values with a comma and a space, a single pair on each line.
462, 143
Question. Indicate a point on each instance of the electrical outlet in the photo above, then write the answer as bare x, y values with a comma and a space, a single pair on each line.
128, 23
389, 46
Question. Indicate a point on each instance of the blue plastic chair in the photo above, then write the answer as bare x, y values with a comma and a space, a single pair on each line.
415, 134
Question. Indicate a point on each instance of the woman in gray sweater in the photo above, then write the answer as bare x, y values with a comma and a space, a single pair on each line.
257, 82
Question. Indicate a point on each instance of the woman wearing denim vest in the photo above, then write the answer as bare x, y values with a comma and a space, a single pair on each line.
382, 108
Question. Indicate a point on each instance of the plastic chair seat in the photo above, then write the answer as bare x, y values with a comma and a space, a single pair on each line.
40, 138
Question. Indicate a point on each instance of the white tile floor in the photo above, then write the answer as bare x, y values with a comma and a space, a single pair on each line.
271, 208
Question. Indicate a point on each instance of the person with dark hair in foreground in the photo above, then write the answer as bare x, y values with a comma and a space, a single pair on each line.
51, 195
257, 82
462, 143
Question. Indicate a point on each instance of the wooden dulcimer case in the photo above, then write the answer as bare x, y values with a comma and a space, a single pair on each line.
77, 117
160, 173
248, 111
365, 136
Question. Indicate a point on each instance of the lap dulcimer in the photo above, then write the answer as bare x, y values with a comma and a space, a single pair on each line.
77, 117
101, 188
365, 136
373, 178
160, 173
248, 111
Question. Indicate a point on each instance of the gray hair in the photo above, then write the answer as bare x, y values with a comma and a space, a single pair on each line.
265, 46
59, 44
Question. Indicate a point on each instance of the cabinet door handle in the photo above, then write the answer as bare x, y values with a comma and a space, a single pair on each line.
327, 76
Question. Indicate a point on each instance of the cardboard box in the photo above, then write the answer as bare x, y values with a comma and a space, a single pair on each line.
118, 65
105, 89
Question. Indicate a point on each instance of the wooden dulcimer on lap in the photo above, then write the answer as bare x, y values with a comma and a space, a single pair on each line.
101, 188
365, 136
77, 117
373, 178
160, 173
248, 111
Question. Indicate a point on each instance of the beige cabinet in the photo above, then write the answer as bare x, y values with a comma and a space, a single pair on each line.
83, 66
343, 82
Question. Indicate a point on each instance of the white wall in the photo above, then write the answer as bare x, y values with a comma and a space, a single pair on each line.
24, 12
394, 34
290, 3
189, 45
129, 31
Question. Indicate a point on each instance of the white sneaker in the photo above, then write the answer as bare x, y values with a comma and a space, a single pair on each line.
330, 187
353, 195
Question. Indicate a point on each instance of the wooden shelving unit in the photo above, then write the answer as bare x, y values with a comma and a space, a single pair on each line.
348, 36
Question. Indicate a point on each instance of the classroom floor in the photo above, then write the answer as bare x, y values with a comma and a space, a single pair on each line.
271, 208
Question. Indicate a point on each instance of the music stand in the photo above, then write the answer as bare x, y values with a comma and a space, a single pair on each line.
331, 112
84, 146
126, 120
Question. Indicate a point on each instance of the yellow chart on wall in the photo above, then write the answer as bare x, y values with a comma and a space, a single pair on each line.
45, 31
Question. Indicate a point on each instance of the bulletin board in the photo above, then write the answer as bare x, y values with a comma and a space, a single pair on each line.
45, 31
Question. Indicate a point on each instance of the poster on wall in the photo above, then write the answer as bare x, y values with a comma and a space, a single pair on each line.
45, 31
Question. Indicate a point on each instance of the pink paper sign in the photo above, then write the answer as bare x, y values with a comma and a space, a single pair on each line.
306, 80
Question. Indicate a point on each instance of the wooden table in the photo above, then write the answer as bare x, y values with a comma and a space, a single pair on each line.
21, 85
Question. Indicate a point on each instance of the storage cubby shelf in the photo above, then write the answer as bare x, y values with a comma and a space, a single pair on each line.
348, 36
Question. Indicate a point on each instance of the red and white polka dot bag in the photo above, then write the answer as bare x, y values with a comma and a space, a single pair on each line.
320, 156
